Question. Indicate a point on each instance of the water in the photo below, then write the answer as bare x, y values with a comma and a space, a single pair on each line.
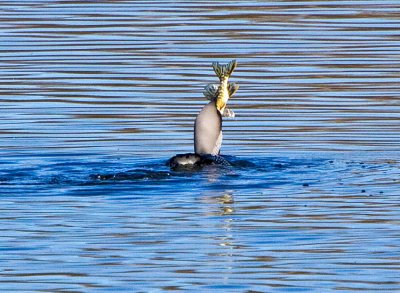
95, 97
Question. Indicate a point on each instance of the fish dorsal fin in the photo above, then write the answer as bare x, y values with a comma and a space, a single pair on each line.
211, 91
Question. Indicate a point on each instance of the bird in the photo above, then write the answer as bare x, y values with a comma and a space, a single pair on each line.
208, 123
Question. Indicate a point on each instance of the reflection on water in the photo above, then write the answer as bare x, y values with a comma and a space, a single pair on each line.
95, 97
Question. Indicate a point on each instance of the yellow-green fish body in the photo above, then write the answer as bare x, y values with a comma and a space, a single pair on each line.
225, 89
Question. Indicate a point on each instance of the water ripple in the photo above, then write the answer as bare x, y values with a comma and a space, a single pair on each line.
96, 96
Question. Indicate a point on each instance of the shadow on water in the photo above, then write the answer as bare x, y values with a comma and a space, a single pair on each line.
244, 174
157, 172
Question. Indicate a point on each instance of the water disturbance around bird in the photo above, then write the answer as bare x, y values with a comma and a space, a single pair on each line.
97, 96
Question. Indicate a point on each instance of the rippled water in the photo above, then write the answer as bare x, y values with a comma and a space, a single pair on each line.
96, 96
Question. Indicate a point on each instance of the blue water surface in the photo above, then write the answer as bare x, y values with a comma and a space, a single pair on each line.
95, 97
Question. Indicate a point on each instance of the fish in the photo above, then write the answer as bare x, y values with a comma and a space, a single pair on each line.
223, 91
224, 72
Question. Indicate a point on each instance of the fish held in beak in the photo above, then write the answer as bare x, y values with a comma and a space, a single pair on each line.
225, 89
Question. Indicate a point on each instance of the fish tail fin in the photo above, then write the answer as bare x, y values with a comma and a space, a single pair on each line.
224, 71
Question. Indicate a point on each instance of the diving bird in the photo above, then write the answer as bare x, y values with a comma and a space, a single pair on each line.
208, 123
